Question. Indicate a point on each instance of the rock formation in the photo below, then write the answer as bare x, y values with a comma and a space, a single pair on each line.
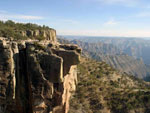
48, 34
37, 76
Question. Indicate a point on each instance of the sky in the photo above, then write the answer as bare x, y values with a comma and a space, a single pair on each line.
127, 18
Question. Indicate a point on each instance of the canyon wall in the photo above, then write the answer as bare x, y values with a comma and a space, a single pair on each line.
48, 34
37, 76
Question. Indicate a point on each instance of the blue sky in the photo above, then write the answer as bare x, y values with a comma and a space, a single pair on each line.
83, 17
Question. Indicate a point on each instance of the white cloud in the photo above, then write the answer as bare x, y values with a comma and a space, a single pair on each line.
3, 11
147, 7
118, 1
143, 14
129, 3
4, 15
111, 22
70, 21
27, 17
116, 32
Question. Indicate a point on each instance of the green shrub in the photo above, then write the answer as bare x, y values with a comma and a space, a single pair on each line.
11, 29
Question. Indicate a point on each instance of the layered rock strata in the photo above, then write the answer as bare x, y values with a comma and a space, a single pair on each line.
49, 34
37, 77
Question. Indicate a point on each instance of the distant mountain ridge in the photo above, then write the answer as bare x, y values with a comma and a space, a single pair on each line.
137, 47
113, 56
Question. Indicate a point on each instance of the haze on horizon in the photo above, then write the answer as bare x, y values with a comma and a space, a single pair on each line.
127, 18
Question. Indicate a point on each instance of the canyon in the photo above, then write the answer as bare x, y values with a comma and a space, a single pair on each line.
113, 51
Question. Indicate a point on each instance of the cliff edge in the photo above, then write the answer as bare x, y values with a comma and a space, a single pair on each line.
37, 76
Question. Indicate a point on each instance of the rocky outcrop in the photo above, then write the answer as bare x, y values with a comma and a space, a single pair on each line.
49, 34
37, 76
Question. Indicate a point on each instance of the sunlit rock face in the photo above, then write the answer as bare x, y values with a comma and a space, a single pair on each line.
37, 76
48, 34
